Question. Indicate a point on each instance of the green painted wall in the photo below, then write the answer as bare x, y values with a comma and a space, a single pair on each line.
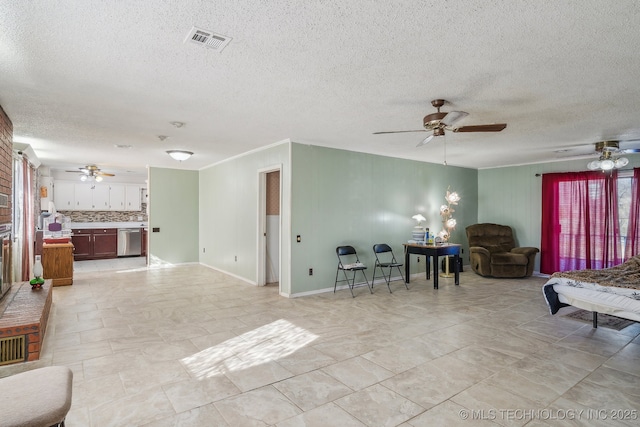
173, 207
513, 196
331, 197
341, 197
229, 213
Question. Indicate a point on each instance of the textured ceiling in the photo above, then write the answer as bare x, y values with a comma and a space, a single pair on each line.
78, 77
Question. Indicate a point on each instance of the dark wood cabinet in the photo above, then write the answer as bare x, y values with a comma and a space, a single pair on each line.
98, 243
82, 242
105, 243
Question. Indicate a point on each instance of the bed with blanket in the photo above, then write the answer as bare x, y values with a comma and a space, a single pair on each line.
614, 291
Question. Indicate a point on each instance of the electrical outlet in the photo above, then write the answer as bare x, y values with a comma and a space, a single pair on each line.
418, 259
311, 272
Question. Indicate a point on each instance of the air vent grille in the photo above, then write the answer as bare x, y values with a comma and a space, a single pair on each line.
207, 38
11, 349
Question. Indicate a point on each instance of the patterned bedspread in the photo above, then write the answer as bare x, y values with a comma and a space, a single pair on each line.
623, 280
625, 275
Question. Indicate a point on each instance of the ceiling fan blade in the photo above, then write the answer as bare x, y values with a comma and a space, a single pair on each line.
75, 171
425, 141
629, 150
497, 127
453, 117
104, 174
399, 131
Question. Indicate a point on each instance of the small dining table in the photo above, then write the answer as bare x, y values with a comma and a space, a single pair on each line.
432, 251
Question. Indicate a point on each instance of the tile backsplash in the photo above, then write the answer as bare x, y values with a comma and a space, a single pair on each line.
107, 216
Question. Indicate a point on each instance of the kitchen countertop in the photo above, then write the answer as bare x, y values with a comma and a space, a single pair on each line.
129, 224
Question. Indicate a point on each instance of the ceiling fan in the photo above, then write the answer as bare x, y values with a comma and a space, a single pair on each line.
607, 160
91, 172
437, 123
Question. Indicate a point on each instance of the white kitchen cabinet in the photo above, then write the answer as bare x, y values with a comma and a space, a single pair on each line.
64, 195
91, 197
101, 197
116, 197
132, 198
83, 195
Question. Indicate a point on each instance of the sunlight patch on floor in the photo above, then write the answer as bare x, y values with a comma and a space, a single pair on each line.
262, 345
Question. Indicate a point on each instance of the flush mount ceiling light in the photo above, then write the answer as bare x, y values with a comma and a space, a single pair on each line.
177, 124
179, 155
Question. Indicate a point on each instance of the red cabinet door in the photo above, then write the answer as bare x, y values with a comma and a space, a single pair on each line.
105, 243
82, 244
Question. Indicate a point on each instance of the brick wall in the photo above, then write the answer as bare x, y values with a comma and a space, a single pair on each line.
25, 313
6, 153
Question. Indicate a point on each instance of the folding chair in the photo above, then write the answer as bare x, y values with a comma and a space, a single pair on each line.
386, 259
346, 254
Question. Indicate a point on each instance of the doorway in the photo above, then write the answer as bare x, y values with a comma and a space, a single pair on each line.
269, 228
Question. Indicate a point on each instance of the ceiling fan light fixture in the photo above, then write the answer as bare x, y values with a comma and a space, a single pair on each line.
83, 178
98, 178
621, 162
179, 155
593, 165
607, 164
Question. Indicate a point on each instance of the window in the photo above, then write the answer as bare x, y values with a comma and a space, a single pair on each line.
624, 204
587, 218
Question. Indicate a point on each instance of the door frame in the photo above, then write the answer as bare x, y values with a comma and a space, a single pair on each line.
262, 227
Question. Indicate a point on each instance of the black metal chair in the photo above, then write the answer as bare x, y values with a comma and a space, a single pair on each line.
348, 261
386, 259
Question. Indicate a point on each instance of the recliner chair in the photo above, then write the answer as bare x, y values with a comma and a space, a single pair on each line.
492, 252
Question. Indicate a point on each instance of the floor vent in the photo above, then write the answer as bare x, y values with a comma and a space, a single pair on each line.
207, 39
12, 350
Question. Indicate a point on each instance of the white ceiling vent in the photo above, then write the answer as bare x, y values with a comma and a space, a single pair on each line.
207, 38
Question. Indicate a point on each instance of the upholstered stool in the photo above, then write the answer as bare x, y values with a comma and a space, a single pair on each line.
37, 398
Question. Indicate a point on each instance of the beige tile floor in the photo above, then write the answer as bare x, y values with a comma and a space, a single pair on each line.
189, 346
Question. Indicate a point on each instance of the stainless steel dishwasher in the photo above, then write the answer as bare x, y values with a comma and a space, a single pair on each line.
129, 241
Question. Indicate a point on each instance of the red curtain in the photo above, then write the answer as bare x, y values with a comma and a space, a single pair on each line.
580, 227
633, 232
